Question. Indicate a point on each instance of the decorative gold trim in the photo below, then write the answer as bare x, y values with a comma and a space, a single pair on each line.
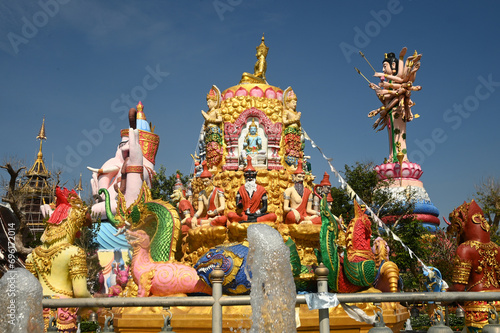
43, 258
487, 264
134, 169
478, 218
461, 272
42, 264
78, 265
30, 267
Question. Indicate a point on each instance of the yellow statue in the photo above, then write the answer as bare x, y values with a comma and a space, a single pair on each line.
59, 265
261, 64
212, 116
290, 115
259, 74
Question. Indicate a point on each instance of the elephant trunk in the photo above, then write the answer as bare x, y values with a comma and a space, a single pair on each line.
109, 213
132, 118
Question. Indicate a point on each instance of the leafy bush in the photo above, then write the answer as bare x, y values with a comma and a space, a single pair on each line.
423, 322
88, 326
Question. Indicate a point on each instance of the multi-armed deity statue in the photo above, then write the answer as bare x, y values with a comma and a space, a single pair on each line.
398, 172
394, 91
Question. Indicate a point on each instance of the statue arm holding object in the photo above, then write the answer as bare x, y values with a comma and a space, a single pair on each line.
134, 179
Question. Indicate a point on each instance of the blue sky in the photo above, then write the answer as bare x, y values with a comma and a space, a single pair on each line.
80, 63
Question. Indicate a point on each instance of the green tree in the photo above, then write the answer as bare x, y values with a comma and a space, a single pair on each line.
442, 249
488, 197
363, 180
87, 240
412, 233
162, 186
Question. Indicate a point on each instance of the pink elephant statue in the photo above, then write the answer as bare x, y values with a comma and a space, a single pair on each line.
132, 164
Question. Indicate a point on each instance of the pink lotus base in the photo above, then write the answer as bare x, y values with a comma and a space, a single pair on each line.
426, 218
393, 170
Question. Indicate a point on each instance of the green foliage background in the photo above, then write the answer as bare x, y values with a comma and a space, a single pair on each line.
162, 186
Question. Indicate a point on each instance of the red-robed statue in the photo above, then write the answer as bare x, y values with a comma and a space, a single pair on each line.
211, 203
252, 199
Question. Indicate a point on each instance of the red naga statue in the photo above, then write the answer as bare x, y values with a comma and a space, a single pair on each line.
476, 262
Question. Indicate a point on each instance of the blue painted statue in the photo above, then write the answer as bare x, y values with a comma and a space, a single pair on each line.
232, 259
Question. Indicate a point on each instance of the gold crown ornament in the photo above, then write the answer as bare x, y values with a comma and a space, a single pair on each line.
149, 141
262, 48
214, 94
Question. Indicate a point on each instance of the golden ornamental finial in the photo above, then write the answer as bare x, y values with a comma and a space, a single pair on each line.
79, 186
140, 112
262, 47
41, 134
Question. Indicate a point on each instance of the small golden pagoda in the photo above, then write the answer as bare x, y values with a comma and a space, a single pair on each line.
37, 189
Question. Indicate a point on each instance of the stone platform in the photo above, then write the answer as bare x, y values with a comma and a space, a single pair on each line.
237, 319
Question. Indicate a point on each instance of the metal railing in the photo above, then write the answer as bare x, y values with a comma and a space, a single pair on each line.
217, 301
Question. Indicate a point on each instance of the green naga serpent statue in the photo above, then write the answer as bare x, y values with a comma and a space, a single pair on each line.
158, 218
356, 269
153, 230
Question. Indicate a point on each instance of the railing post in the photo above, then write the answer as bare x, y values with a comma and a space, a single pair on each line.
216, 277
324, 317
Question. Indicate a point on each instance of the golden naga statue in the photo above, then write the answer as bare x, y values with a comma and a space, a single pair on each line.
60, 266
259, 74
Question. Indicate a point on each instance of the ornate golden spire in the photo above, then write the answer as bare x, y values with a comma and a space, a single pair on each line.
38, 167
79, 186
41, 134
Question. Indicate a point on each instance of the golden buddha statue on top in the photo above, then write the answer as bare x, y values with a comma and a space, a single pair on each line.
259, 74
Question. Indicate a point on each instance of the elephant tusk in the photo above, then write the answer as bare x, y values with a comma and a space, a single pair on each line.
446, 221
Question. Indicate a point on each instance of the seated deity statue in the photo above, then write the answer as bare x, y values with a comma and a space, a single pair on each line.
253, 141
260, 68
261, 64
298, 201
252, 146
252, 199
211, 203
185, 208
